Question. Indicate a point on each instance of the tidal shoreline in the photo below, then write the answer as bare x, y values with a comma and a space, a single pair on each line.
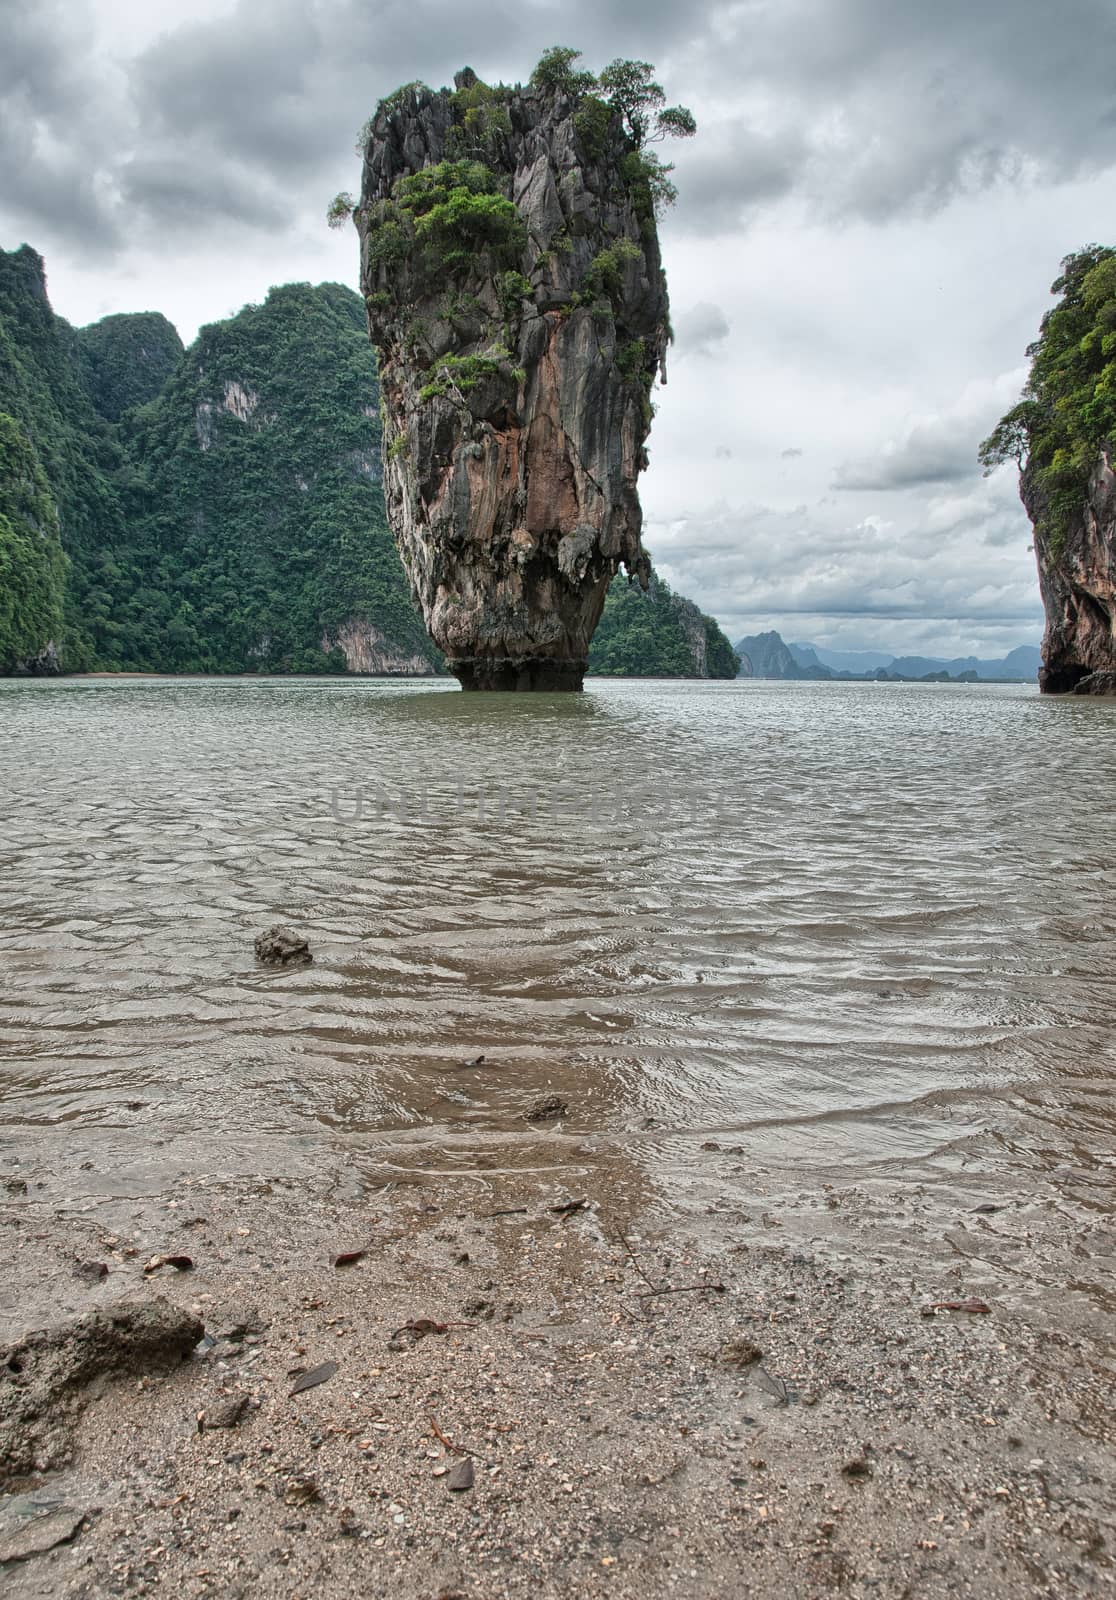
644, 1412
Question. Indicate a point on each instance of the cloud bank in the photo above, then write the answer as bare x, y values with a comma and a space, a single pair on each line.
868, 222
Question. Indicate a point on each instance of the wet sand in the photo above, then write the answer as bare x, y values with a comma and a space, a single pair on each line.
782, 1422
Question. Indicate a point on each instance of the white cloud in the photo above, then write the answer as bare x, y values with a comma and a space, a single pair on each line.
699, 330
937, 447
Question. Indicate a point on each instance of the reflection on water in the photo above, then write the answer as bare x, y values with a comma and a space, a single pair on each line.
850, 929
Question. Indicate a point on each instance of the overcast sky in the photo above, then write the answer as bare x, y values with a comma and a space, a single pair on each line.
868, 225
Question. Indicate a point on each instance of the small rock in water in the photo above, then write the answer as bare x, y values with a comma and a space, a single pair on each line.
546, 1110
281, 947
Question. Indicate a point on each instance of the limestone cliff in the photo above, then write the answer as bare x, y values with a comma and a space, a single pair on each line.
367, 651
516, 297
1061, 434
1077, 577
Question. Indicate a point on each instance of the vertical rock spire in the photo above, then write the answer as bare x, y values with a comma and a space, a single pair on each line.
515, 293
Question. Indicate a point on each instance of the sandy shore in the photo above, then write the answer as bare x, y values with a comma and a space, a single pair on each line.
776, 1424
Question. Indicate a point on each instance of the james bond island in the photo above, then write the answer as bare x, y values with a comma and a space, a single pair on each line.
511, 270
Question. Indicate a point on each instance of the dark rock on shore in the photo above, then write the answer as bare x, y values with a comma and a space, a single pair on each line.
31, 1524
547, 1110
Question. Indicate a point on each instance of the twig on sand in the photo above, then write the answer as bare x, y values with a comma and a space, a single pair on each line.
653, 1290
686, 1288
454, 1449
636, 1263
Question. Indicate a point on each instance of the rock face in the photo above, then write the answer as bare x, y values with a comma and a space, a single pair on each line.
368, 651
1096, 683
44, 664
515, 295
1077, 577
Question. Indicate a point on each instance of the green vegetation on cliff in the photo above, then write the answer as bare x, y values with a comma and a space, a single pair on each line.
658, 634
628, 90
228, 517
255, 515
128, 359
1068, 409
32, 565
42, 381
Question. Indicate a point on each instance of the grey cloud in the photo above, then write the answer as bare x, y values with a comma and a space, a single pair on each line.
732, 170
937, 449
957, 557
173, 194
242, 85
699, 330
928, 454
898, 107
50, 105
48, 195
791, 453
265, 101
864, 108
286, 89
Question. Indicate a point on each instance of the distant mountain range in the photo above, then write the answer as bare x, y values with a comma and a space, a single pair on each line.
766, 655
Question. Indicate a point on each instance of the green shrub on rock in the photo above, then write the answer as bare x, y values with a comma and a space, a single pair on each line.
1068, 410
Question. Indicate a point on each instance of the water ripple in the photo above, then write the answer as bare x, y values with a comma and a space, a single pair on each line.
856, 928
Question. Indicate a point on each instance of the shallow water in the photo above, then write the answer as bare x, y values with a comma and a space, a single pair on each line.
856, 933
